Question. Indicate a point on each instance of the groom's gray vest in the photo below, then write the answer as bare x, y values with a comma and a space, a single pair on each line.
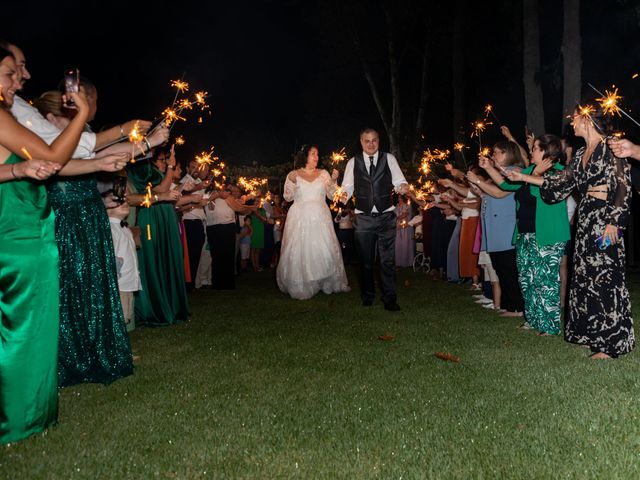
372, 191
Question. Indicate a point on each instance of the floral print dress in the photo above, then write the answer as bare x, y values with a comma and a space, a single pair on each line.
599, 313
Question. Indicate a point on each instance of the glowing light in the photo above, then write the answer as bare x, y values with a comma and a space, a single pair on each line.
180, 85
27, 155
458, 146
179, 140
147, 202
485, 152
134, 135
479, 127
609, 102
170, 116
338, 156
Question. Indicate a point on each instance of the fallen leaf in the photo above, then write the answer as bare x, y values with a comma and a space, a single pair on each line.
448, 357
386, 336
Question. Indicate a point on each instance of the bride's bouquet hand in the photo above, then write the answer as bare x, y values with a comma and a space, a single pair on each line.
334, 175
293, 176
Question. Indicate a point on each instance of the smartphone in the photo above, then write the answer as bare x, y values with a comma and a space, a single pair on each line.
607, 242
71, 84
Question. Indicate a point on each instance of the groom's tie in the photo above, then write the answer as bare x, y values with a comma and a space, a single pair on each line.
372, 167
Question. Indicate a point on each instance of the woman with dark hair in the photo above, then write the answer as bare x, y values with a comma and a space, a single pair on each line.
498, 217
311, 258
599, 314
540, 236
163, 297
29, 295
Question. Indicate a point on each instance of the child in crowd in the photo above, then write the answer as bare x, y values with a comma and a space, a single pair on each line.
126, 258
245, 243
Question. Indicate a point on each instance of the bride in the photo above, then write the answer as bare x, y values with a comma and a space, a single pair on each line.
311, 258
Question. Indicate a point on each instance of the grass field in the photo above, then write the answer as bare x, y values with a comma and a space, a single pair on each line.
257, 385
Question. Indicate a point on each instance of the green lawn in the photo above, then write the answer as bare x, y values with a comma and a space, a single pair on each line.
257, 385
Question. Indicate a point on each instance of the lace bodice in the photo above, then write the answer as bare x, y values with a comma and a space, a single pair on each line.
305, 191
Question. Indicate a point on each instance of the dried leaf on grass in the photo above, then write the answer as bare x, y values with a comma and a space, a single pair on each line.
448, 357
387, 336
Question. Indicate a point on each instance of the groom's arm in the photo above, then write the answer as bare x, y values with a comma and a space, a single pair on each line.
397, 177
347, 182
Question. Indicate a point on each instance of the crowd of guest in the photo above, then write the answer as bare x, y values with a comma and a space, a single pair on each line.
505, 226
95, 244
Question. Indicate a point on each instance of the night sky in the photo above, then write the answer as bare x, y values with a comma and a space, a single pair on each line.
281, 74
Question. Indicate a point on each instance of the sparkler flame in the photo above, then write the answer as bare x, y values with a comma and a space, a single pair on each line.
180, 85
479, 127
609, 102
179, 140
147, 200
134, 135
338, 156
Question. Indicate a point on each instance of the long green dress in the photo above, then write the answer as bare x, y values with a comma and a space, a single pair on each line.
163, 297
28, 310
94, 344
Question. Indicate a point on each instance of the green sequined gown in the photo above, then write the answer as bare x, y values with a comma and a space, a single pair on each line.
94, 344
28, 310
163, 297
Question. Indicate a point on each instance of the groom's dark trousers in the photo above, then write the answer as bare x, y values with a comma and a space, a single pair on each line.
377, 231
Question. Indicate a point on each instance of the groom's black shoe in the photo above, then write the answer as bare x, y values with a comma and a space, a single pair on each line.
367, 302
392, 306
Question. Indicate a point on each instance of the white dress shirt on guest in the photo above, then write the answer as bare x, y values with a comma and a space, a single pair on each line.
221, 214
397, 177
30, 117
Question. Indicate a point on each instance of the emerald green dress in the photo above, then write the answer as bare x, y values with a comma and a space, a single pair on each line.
28, 310
94, 344
163, 297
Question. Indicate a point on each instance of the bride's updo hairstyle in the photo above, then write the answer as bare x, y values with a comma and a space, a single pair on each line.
303, 154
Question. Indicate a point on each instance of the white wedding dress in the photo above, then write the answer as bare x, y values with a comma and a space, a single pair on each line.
311, 258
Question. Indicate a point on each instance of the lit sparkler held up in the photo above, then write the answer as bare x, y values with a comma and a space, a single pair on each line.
609, 103
488, 110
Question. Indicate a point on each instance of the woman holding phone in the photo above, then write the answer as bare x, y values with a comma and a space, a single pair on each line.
599, 314
29, 302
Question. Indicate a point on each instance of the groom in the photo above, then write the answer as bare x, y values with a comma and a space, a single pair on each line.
371, 176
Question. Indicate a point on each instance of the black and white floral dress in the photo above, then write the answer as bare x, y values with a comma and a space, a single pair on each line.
599, 313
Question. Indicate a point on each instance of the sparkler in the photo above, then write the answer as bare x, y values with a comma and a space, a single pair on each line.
26, 153
479, 127
337, 194
250, 185
206, 159
488, 110
179, 140
338, 156
609, 103
135, 137
485, 152
147, 203
460, 148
